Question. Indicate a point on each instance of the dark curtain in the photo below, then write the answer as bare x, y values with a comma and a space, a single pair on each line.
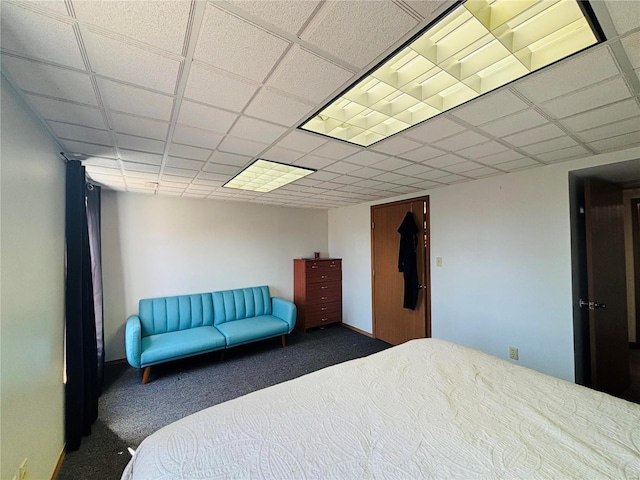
83, 354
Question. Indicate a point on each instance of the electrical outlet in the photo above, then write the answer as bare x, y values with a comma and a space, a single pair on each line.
23, 473
513, 353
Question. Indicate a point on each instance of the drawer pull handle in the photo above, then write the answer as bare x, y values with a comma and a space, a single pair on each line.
324, 319
323, 287
323, 298
323, 276
323, 308
314, 266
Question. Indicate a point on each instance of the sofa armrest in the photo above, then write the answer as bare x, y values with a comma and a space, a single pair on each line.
285, 310
133, 340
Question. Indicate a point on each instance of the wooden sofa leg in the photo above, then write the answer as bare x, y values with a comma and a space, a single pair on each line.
284, 340
145, 375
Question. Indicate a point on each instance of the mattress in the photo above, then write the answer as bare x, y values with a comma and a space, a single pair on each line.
424, 409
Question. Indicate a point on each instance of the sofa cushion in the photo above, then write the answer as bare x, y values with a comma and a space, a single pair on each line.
248, 330
229, 305
169, 314
173, 345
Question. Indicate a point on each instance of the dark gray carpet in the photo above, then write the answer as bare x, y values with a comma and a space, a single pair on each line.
130, 411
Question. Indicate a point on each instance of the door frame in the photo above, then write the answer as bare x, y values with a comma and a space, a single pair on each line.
427, 259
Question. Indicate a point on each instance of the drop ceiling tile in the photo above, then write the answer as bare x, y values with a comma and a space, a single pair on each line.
388, 177
288, 15
38, 36
444, 160
367, 157
461, 141
392, 163
206, 85
396, 145
501, 157
207, 178
138, 158
422, 154
277, 108
324, 176
564, 154
67, 112
204, 117
550, 145
490, 107
257, 130
336, 150
568, 76
302, 142
616, 143
130, 63
424, 185
413, 169
602, 116
482, 172
141, 127
174, 181
462, 167
186, 151
111, 172
347, 180
603, 94
140, 143
314, 161
451, 179
76, 132
90, 149
221, 169
367, 172
404, 189
358, 32
158, 23
614, 129
55, 6
482, 150
343, 167
181, 172
514, 123
519, 164
535, 135
242, 146
631, 45
434, 130
282, 155
184, 163
52, 81
625, 15
137, 101
141, 170
232, 159
101, 162
196, 137
225, 38
306, 75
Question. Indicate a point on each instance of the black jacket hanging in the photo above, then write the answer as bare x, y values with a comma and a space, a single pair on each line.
407, 262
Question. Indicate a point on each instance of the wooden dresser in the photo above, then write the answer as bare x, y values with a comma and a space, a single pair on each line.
317, 291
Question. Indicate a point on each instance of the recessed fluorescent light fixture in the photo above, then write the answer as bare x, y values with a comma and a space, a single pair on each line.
476, 47
265, 176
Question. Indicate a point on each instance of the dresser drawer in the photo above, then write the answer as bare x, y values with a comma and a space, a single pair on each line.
323, 270
317, 315
324, 292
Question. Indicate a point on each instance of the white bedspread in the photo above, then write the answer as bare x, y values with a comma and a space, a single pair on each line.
424, 409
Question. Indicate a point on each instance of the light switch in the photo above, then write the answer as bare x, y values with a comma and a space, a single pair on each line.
438, 261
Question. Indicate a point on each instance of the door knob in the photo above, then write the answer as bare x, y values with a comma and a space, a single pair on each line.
591, 305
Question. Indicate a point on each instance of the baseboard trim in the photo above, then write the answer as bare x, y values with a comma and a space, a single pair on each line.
56, 471
116, 362
362, 332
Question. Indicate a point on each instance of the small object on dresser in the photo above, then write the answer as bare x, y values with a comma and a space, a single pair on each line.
316, 255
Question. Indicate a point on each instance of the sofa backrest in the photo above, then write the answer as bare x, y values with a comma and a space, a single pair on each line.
169, 314
229, 305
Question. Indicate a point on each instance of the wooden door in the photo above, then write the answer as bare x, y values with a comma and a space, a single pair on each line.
392, 322
607, 302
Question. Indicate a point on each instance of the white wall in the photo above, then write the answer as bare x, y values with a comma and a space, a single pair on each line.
506, 274
155, 246
31, 292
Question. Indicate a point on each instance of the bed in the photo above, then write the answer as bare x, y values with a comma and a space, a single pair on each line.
424, 409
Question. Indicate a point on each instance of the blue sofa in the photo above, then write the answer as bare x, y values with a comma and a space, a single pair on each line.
170, 328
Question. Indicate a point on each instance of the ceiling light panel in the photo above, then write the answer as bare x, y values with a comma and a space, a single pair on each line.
265, 176
479, 46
